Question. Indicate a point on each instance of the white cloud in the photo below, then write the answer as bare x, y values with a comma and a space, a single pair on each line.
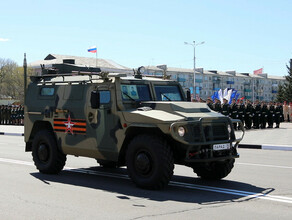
4, 39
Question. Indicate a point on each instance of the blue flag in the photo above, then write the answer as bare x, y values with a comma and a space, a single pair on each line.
214, 96
233, 95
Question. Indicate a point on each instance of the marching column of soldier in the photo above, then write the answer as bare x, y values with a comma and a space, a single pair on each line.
257, 115
11, 114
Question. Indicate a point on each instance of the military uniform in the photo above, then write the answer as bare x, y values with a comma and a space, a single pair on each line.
264, 115
21, 115
282, 113
5, 114
271, 115
210, 104
241, 112
225, 109
13, 115
217, 107
1, 115
233, 111
9, 115
257, 116
248, 115
278, 112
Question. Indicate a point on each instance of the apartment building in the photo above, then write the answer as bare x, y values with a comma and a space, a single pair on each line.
262, 87
250, 86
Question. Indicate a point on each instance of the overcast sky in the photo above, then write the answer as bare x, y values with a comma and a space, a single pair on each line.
239, 35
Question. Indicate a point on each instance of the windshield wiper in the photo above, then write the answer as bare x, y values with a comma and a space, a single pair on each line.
165, 96
137, 103
129, 97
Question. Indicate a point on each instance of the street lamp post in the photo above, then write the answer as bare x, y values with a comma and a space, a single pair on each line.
194, 46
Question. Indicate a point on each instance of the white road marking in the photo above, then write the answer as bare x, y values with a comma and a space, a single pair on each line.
264, 165
245, 194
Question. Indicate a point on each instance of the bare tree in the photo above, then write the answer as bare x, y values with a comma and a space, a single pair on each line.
11, 79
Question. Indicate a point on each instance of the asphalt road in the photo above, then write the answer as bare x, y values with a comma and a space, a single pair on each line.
259, 187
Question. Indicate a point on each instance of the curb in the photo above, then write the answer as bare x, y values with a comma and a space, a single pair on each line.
11, 134
266, 147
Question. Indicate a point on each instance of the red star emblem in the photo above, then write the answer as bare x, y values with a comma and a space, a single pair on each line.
69, 125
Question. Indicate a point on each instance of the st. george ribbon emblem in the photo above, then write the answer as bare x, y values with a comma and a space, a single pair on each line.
69, 125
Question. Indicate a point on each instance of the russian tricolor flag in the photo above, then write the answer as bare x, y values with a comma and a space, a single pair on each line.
92, 49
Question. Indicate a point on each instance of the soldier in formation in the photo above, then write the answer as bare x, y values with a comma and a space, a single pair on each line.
217, 106
11, 115
225, 107
210, 103
241, 112
248, 114
264, 115
234, 112
257, 115
271, 114
278, 114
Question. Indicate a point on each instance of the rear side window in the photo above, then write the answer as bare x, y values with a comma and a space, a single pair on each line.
105, 97
47, 91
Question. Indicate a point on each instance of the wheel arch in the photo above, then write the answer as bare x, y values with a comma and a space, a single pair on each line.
133, 132
37, 126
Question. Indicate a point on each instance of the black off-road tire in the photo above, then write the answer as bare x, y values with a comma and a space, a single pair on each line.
149, 162
46, 155
216, 170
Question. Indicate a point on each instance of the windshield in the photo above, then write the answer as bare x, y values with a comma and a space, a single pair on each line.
135, 92
168, 93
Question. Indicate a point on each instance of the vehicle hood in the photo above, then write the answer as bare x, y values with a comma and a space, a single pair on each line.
167, 112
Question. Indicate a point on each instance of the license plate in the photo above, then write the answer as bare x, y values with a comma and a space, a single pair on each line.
221, 146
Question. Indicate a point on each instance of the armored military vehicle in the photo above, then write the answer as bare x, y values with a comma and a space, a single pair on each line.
144, 123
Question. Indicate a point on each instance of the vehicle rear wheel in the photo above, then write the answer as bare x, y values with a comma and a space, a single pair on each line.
149, 162
46, 155
215, 170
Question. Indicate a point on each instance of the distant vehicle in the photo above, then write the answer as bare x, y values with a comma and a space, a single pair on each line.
144, 123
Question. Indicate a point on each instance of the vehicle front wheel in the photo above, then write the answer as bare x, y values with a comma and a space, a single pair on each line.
215, 170
46, 155
149, 162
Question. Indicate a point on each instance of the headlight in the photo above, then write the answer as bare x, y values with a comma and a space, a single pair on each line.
181, 131
229, 128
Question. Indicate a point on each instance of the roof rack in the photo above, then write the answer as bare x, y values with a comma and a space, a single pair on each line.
65, 69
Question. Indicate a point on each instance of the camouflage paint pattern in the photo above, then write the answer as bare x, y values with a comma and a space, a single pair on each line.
62, 105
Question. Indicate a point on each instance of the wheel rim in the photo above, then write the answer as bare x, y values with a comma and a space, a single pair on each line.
43, 153
143, 163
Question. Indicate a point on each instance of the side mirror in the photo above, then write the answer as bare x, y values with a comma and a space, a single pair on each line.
189, 96
95, 99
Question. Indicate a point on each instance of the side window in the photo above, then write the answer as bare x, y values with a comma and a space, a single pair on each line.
105, 97
47, 91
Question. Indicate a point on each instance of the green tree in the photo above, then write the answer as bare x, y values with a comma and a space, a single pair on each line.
288, 85
285, 90
281, 95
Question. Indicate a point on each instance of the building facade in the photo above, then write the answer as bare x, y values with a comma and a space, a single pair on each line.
262, 87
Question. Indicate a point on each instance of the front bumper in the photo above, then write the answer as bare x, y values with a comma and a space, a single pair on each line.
203, 134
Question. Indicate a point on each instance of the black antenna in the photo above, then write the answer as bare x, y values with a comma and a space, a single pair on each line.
25, 75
